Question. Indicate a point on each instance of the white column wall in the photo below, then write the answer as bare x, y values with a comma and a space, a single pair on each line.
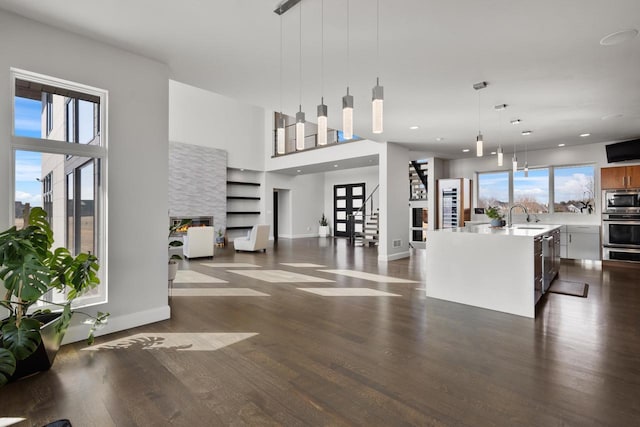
137, 164
394, 202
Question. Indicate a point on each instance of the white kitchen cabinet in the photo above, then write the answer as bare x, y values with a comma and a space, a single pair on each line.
580, 242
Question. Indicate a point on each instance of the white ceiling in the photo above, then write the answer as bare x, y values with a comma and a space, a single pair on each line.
542, 58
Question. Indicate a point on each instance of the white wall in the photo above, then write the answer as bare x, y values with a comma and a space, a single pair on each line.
138, 141
368, 175
394, 203
591, 153
306, 196
200, 117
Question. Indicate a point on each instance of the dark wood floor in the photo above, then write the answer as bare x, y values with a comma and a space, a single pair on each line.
374, 361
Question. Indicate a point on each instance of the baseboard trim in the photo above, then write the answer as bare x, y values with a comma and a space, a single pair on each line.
297, 236
394, 257
79, 332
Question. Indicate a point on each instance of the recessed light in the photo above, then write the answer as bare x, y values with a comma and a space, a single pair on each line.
500, 106
299, 171
560, 145
414, 127
493, 153
516, 122
335, 166
618, 37
466, 150
526, 132
241, 170
439, 139
584, 135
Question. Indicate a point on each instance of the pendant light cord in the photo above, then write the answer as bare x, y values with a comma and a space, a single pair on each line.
322, 51
378, 35
300, 56
348, 42
281, 64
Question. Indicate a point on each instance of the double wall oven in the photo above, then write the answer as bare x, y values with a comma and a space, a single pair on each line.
621, 225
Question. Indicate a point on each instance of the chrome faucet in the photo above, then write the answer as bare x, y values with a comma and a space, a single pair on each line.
509, 221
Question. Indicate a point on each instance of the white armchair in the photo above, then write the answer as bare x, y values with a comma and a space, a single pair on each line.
257, 240
198, 242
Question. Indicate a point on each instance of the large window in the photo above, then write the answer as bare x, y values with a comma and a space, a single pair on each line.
63, 178
493, 189
573, 188
532, 191
555, 189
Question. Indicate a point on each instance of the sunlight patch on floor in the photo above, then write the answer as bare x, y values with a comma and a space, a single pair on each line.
190, 276
280, 276
348, 292
178, 341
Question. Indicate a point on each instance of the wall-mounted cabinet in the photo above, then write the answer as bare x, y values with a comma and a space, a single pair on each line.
620, 177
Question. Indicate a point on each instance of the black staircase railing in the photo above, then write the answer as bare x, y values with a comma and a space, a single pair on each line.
351, 218
423, 178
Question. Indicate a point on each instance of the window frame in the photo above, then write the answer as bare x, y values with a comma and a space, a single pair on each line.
552, 198
97, 151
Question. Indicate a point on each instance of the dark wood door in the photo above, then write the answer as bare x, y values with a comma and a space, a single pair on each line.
347, 199
633, 176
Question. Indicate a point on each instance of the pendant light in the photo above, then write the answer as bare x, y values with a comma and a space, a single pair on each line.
322, 108
500, 151
300, 114
515, 160
526, 163
347, 100
280, 122
377, 100
479, 138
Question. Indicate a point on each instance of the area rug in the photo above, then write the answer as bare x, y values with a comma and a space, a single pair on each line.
575, 289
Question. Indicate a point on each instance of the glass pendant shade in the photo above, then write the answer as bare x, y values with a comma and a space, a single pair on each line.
280, 135
347, 116
500, 156
479, 145
300, 130
322, 124
377, 108
515, 164
526, 170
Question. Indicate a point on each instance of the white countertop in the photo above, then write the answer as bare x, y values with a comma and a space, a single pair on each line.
521, 230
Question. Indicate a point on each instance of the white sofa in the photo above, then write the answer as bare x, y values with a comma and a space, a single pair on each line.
257, 240
198, 242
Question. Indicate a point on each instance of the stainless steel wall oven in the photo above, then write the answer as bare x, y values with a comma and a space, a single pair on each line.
621, 237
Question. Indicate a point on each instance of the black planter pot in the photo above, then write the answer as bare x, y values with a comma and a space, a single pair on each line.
43, 357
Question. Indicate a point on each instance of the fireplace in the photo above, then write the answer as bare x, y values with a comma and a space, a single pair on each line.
196, 221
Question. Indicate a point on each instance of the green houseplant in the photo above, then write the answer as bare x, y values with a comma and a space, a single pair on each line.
323, 229
494, 214
30, 271
175, 243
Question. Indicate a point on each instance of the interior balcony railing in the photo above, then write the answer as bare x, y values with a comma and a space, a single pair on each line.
334, 137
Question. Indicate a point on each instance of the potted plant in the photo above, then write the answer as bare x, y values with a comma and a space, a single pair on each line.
496, 217
174, 243
30, 272
220, 238
323, 229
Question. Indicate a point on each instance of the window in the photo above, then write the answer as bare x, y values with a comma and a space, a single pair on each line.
63, 178
573, 188
493, 189
532, 192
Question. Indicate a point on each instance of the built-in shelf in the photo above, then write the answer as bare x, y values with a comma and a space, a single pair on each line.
242, 198
244, 227
244, 213
254, 184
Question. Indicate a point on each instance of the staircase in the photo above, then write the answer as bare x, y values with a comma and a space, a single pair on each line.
369, 236
418, 180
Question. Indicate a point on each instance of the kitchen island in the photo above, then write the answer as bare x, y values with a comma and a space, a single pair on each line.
496, 268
